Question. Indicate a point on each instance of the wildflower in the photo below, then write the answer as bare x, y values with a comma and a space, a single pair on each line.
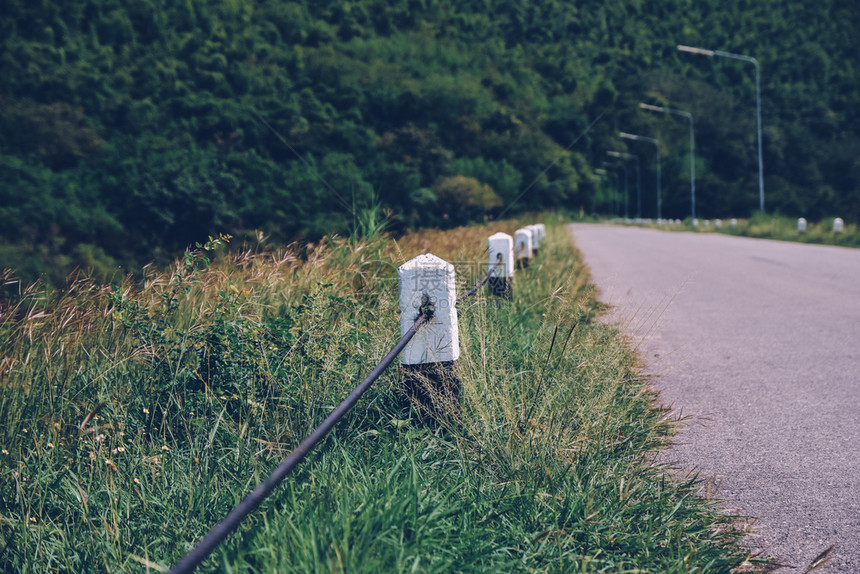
25, 430
110, 463
145, 411
196, 460
32, 519
6, 452
137, 480
100, 438
165, 448
50, 445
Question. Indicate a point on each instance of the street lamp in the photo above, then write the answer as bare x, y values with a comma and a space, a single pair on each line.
635, 137
626, 192
621, 154
689, 116
754, 62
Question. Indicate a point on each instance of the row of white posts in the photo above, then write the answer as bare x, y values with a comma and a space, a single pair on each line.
838, 225
430, 360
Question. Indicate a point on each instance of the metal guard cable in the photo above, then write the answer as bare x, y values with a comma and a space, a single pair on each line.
474, 289
220, 531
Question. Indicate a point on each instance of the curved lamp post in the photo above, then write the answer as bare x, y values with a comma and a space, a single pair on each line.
635, 137
754, 62
621, 154
689, 116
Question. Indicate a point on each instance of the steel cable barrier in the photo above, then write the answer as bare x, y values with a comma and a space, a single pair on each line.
221, 530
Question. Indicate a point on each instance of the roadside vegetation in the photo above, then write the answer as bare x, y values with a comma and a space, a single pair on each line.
764, 226
785, 228
137, 414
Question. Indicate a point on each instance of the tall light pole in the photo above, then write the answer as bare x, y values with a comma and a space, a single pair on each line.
689, 116
754, 62
626, 193
635, 137
621, 154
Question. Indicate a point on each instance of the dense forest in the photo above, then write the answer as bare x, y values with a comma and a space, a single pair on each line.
129, 129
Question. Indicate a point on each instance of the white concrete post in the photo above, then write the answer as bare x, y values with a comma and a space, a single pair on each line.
430, 360
523, 246
733, 222
500, 247
718, 223
838, 225
801, 224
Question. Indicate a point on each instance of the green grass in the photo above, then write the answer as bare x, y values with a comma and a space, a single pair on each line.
764, 226
136, 416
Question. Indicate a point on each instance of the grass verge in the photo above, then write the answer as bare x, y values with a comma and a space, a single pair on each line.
136, 415
764, 226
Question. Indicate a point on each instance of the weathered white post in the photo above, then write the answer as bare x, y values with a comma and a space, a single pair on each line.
500, 247
733, 222
838, 225
431, 359
523, 246
801, 224
718, 223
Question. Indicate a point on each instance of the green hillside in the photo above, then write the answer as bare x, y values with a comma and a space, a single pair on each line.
129, 129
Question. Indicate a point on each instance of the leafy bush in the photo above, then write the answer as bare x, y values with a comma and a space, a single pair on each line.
463, 198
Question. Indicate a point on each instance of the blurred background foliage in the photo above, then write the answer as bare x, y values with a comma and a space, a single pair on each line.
128, 130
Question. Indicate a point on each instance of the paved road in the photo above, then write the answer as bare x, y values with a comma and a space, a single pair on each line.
760, 342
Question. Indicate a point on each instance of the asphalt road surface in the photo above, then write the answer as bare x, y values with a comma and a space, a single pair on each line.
759, 342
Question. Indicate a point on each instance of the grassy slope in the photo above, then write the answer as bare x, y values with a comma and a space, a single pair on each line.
208, 377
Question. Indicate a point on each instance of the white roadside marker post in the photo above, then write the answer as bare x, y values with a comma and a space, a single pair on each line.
801, 224
430, 362
838, 225
523, 246
500, 247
